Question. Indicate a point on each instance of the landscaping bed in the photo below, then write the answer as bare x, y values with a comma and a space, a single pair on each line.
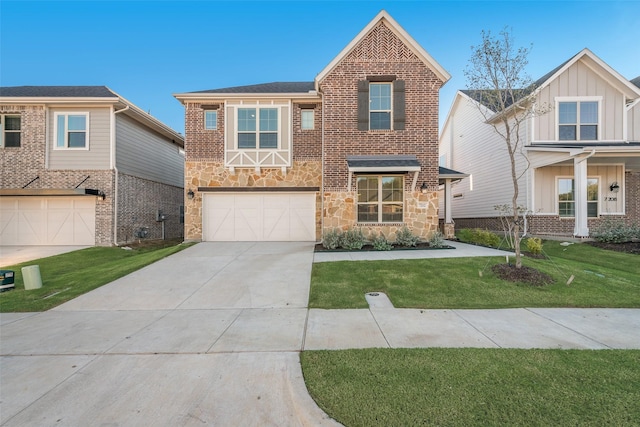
627, 247
369, 247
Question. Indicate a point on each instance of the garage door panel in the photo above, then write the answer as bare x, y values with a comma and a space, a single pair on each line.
47, 220
259, 217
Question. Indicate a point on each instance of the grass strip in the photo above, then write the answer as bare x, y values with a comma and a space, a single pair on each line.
475, 387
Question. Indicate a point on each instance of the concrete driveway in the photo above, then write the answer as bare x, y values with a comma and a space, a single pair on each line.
210, 335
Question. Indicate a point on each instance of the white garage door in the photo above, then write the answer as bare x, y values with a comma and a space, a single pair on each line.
259, 217
37, 220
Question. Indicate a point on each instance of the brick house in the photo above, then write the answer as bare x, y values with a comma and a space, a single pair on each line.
80, 165
581, 160
356, 147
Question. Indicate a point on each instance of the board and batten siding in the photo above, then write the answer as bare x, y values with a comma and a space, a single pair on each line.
98, 156
546, 192
580, 81
633, 124
476, 149
146, 154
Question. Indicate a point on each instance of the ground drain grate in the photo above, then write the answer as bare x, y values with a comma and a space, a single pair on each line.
378, 300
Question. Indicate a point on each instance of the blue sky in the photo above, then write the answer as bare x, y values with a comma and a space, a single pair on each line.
148, 50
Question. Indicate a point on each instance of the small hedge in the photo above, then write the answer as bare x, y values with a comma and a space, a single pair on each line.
478, 236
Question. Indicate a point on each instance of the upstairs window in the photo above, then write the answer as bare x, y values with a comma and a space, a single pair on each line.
211, 120
306, 117
72, 130
10, 130
380, 198
381, 103
578, 121
257, 128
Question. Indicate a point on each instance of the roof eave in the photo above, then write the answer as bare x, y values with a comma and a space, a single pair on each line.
57, 100
191, 96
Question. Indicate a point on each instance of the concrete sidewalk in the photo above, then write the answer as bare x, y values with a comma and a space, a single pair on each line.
212, 335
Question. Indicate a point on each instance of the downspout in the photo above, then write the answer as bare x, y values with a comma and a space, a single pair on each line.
47, 140
321, 166
115, 171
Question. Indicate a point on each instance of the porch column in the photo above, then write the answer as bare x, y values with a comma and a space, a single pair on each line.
580, 187
449, 229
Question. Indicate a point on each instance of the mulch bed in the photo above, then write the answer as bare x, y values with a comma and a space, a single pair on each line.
527, 275
365, 248
627, 247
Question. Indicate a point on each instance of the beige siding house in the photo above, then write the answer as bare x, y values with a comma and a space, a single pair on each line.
580, 163
80, 165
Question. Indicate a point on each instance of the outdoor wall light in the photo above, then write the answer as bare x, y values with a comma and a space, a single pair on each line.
191, 194
423, 187
614, 187
102, 195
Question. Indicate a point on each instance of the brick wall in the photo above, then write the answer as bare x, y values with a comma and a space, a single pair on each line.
19, 165
138, 202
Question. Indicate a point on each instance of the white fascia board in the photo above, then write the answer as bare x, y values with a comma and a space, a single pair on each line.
57, 100
221, 97
398, 31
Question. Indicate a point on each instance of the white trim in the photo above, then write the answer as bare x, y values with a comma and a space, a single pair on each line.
380, 203
66, 142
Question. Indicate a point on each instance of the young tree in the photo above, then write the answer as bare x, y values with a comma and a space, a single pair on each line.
497, 80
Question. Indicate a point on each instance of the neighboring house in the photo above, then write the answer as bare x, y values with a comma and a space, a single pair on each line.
356, 147
80, 165
584, 153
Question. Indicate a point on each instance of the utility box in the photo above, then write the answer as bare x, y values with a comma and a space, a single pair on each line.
7, 280
160, 217
31, 277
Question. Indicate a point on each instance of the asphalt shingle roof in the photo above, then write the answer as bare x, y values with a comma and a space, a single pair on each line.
274, 87
383, 161
57, 92
636, 81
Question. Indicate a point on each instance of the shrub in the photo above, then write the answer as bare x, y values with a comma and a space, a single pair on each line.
534, 245
614, 231
405, 237
380, 243
436, 240
352, 239
332, 239
479, 236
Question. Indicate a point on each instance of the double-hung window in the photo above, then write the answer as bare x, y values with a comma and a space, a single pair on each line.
380, 106
72, 130
578, 121
381, 103
567, 199
10, 128
380, 198
210, 120
257, 128
306, 119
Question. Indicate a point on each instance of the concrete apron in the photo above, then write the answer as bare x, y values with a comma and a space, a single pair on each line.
211, 335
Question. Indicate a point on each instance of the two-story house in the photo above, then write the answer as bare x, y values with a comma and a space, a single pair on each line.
355, 147
81, 165
580, 162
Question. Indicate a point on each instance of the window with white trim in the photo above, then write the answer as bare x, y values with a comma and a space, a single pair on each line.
10, 130
257, 128
578, 121
306, 119
567, 199
380, 106
71, 130
380, 198
211, 120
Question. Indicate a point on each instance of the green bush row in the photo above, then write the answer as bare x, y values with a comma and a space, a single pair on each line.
615, 231
478, 236
353, 239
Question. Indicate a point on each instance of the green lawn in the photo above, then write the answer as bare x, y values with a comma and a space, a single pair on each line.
69, 275
602, 279
476, 387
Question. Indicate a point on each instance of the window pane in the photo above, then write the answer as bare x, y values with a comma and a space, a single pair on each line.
565, 189
76, 139
12, 123
589, 112
592, 189
368, 213
380, 96
77, 123
588, 132
307, 119
210, 119
247, 120
380, 121
567, 113
268, 140
367, 189
269, 119
61, 131
567, 133
246, 140
392, 213
392, 189
12, 139
566, 209
592, 209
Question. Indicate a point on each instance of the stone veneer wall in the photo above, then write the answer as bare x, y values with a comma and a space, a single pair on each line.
138, 202
304, 173
420, 215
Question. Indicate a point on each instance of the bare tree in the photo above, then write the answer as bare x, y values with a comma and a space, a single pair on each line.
504, 95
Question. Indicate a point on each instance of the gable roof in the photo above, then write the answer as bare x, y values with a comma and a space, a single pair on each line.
273, 87
636, 81
87, 95
400, 33
57, 92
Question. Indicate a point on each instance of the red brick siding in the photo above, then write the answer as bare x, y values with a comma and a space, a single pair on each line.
307, 144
